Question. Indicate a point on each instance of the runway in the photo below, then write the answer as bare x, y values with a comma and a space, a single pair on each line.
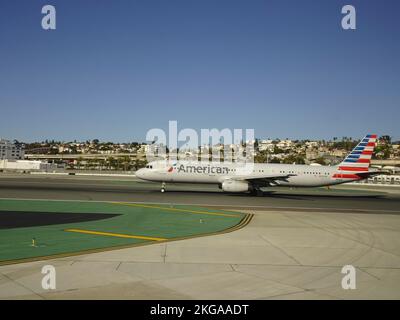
294, 247
342, 199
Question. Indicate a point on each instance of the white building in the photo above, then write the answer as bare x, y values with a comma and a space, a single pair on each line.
266, 145
11, 151
383, 179
26, 166
312, 144
340, 153
143, 148
285, 144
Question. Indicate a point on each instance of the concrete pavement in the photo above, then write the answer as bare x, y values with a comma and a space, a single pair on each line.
279, 255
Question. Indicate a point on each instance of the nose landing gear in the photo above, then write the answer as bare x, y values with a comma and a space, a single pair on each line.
163, 187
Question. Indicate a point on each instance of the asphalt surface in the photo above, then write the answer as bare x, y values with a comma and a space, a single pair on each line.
294, 247
23, 219
133, 190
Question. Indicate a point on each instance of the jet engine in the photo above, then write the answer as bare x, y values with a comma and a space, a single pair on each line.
235, 186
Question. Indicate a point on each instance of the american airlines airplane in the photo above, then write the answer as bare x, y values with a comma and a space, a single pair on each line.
236, 177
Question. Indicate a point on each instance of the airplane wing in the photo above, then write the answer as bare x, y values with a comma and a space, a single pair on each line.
263, 179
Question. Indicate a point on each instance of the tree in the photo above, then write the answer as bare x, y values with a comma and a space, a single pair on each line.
111, 163
320, 160
137, 164
102, 163
382, 152
277, 150
256, 144
126, 161
385, 139
261, 157
294, 159
79, 162
274, 160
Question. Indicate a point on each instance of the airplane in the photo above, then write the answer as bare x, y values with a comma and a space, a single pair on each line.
234, 177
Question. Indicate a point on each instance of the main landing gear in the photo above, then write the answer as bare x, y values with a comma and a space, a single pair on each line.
163, 187
257, 192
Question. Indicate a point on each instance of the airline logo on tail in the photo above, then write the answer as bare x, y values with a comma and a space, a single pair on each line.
359, 159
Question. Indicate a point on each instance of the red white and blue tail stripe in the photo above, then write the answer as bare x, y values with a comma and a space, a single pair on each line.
358, 161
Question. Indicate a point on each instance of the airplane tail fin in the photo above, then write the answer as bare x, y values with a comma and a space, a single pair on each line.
360, 158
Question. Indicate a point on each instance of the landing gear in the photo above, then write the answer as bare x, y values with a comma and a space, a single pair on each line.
257, 192
163, 187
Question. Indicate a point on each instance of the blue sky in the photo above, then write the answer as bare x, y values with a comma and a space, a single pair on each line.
114, 69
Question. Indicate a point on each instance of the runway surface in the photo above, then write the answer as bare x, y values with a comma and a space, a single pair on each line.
294, 247
24, 219
133, 190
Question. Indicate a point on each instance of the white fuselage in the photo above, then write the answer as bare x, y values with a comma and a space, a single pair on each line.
217, 173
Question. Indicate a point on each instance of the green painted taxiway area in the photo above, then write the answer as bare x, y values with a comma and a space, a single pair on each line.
39, 229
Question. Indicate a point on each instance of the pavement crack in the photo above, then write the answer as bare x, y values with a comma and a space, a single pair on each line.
281, 250
328, 229
23, 286
164, 254
372, 275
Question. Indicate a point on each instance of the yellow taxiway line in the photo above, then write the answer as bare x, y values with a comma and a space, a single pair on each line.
119, 235
176, 209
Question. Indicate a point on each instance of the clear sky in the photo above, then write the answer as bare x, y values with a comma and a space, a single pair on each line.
114, 69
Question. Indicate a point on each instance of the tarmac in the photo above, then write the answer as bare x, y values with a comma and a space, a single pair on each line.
294, 247
64, 228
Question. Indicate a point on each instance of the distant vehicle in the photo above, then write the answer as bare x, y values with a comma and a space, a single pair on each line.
236, 177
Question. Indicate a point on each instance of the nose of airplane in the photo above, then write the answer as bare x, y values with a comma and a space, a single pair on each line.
140, 173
